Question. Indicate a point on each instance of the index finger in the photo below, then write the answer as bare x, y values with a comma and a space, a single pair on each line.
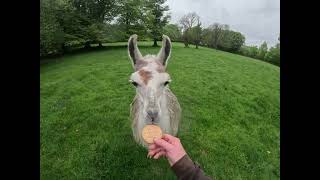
162, 143
168, 138
152, 146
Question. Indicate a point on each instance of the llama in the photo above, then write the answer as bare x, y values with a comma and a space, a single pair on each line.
153, 103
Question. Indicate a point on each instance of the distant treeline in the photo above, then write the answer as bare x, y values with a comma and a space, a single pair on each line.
219, 36
66, 24
271, 55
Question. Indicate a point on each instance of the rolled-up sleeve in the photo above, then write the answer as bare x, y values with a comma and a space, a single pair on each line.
185, 168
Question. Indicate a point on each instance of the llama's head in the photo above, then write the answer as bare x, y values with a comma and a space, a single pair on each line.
150, 78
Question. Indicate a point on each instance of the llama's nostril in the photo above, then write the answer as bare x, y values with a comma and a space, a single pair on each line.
152, 115
155, 114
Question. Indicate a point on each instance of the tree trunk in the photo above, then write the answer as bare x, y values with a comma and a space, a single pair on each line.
87, 45
186, 44
63, 47
155, 43
197, 42
100, 44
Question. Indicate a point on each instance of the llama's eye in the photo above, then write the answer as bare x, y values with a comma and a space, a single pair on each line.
166, 83
134, 83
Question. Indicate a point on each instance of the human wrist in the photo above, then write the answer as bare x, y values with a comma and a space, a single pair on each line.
176, 158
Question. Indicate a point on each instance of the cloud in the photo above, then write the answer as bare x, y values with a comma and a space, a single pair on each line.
258, 20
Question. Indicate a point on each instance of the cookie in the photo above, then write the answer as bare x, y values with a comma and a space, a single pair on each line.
149, 132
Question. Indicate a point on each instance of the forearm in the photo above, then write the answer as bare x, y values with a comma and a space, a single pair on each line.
185, 168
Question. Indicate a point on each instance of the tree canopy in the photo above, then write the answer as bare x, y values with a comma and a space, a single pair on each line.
68, 24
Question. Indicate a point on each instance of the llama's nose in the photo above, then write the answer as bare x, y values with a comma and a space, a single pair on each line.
152, 114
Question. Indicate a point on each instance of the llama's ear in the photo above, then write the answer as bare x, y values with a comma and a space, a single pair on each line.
133, 50
165, 50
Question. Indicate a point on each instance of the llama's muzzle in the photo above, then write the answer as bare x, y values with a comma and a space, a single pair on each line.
152, 115
152, 109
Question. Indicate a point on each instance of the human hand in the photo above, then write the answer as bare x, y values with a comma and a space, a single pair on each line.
168, 146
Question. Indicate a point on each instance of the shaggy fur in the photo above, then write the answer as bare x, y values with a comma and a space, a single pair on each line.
174, 110
153, 97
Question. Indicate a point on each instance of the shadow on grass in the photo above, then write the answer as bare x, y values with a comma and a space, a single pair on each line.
83, 50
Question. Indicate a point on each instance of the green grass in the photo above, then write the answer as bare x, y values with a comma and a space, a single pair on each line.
230, 116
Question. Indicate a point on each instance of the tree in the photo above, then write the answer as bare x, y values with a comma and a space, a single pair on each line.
244, 50
115, 33
156, 19
263, 49
213, 35
220, 36
188, 21
196, 32
51, 34
97, 12
217, 30
74, 25
253, 51
96, 33
273, 55
207, 37
237, 40
173, 31
65, 23
231, 41
131, 18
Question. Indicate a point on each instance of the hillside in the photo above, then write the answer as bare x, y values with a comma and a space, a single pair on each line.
230, 115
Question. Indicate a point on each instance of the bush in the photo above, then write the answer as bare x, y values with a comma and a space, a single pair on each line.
273, 55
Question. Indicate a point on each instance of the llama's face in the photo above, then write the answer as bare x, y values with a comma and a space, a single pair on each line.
150, 85
150, 78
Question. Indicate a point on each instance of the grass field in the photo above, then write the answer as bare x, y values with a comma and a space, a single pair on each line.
230, 116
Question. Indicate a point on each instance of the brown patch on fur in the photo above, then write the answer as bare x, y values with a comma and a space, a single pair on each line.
140, 64
145, 76
160, 67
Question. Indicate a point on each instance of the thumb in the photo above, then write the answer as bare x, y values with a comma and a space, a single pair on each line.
162, 143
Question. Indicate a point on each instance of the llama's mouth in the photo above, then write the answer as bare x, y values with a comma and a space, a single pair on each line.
152, 123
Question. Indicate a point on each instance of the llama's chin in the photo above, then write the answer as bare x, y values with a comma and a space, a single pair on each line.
153, 123
163, 122
137, 131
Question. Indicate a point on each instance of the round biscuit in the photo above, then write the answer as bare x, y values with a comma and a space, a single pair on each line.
149, 132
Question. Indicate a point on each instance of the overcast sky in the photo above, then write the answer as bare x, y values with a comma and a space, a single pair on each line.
258, 20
